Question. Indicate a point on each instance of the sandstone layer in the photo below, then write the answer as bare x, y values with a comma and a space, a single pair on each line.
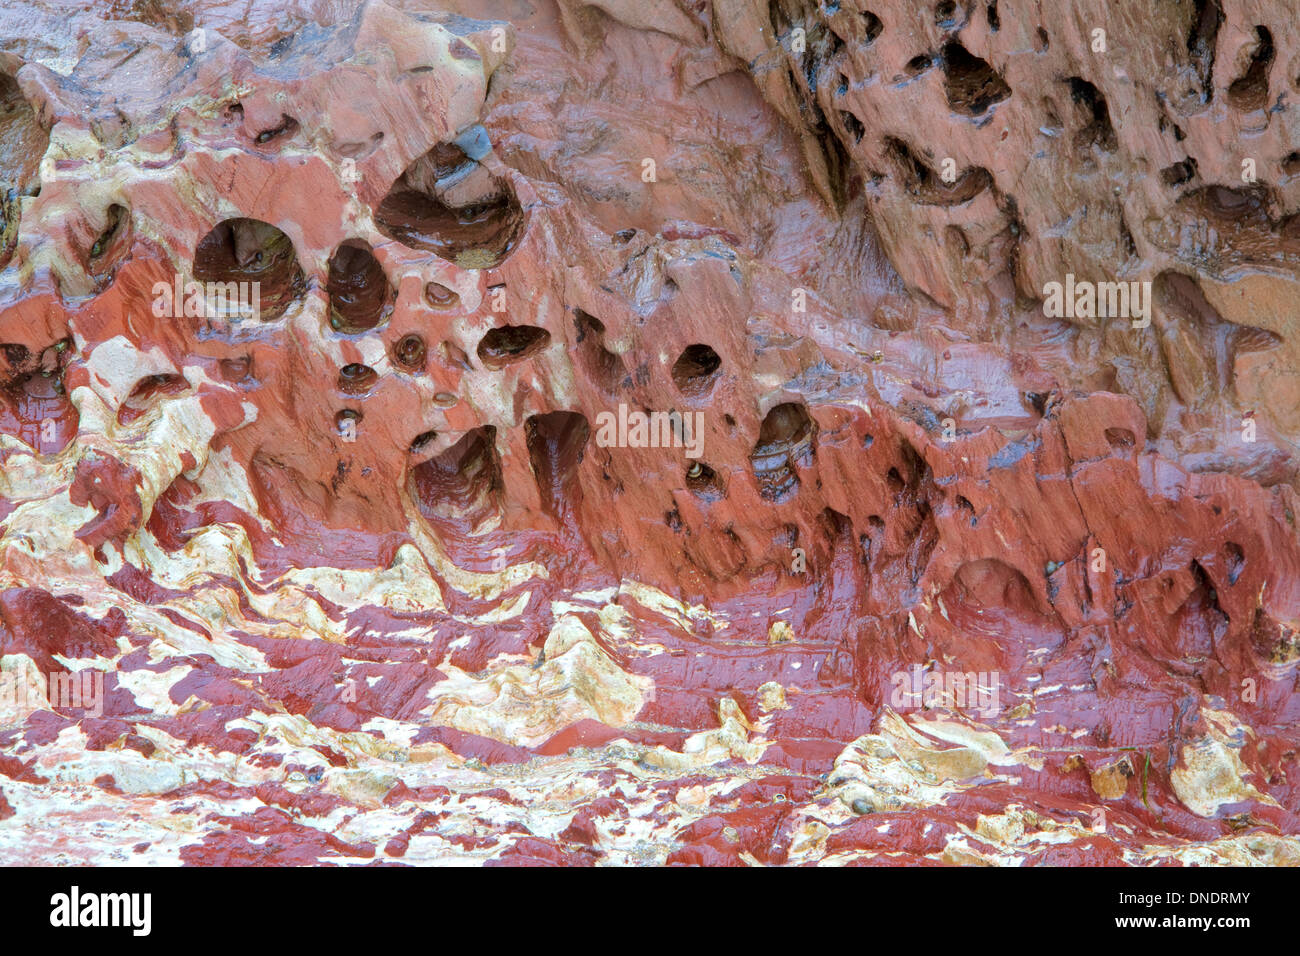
364, 572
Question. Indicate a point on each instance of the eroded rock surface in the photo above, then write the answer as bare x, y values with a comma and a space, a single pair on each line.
358, 547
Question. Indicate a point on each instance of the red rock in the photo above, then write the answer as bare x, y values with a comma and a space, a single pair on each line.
380, 526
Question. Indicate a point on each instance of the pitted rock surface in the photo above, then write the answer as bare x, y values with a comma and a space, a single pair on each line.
324, 332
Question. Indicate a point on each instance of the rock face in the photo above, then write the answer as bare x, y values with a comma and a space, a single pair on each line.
707, 432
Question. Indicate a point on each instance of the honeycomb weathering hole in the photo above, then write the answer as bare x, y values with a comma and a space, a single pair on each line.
110, 247
785, 440
972, 85
696, 369
1179, 173
153, 385
703, 482
23, 141
454, 356
946, 14
511, 343
421, 442
604, 367
410, 352
992, 605
452, 206
460, 488
1120, 437
253, 252
283, 131
556, 443
1096, 125
357, 379
872, 26
1250, 90
927, 187
918, 64
439, 296
1235, 559
357, 287
346, 421
236, 370
1202, 40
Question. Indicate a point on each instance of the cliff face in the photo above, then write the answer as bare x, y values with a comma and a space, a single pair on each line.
629, 432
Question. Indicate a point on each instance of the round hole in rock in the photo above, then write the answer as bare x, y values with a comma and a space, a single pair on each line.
695, 370
454, 207
236, 369
422, 442
357, 379
993, 609
872, 26
460, 489
556, 443
281, 132
147, 389
17, 362
785, 440
703, 482
346, 421
445, 399
1250, 90
357, 287
409, 352
258, 258
110, 246
1235, 559
604, 367
454, 355
511, 343
152, 385
918, 64
972, 85
440, 297
1120, 438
